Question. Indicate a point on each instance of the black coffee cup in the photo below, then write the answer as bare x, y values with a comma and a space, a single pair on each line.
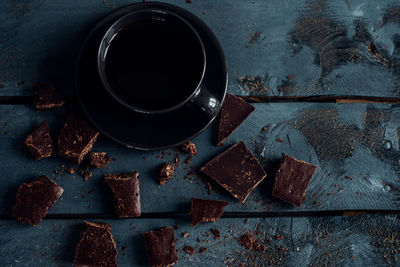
153, 61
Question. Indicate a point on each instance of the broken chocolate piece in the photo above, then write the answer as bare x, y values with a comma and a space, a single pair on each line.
45, 96
126, 193
34, 199
166, 173
76, 139
204, 210
96, 246
189, 249
39, 142
236, 170
292, 179
160, 247
189, 147
234, 111
99, 159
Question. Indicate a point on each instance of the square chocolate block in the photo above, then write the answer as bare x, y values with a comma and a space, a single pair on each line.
45, 96
34, 199
234, 111
99, 159
236, 170
39, 142
96, 246
292, 179
204, 210
160, 247
76, 139
126, 193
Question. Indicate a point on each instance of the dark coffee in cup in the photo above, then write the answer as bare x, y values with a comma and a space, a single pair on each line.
152, 61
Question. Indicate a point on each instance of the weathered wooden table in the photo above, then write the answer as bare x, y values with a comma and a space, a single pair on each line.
324, 79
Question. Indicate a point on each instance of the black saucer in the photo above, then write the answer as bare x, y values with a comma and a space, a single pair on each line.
138, 130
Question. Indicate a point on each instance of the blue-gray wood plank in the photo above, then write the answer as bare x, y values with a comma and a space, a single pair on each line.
318, 241
355, 147
303, 48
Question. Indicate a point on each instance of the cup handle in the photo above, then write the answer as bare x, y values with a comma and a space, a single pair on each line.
205, 101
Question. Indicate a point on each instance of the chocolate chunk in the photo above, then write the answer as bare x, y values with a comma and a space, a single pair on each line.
204, 210
234, 111
45, 96
292, 179
39, 142
236, 170
34, 199
99, 159
216, 233
189, 249
96, 246
166, 173
189, 147
160, 247
76, 139
126, 193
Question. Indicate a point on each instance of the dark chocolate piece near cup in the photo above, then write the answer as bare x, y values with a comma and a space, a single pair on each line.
45, 96
39, 143
96, 246
34, 199
76, 139
292, 180
236, 170
99, 159
204, 210
166, 173
160, 247
234, 111
126, 193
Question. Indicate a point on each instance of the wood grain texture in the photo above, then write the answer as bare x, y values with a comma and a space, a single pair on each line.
355, 147
273, 48
329, 241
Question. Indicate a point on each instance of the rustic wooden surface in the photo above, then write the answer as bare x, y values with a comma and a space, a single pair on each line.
275, 48
306, 51
319, 241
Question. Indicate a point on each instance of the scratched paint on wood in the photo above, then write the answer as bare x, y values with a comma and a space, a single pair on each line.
325, 241
290, 47
354, 146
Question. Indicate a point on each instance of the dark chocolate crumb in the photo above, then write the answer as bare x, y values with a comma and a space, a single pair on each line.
188, 160
166, 173
248, 241
216, 233
202, 249
189, 249
189, 147
186, 234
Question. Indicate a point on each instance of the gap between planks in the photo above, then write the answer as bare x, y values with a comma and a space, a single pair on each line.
172, 215
23, 100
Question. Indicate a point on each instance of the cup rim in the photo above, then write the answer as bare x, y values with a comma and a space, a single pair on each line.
107, 85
